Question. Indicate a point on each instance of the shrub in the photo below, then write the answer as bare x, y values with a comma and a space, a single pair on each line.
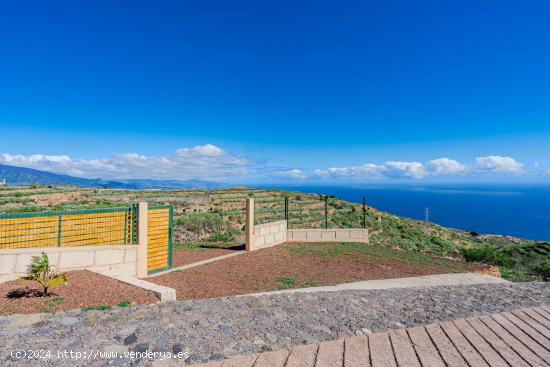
221, 237
543, 270
202, 222
40, 271
486, 254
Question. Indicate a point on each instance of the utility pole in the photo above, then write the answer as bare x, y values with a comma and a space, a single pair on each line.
427, 214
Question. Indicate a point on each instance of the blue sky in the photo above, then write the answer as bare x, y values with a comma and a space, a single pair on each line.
277, 91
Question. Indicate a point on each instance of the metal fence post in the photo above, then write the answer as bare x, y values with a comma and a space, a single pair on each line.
59, 231
364, 214
326, 211
249, 224
287, 218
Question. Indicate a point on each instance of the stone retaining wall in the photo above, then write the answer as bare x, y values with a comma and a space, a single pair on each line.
328, 235
114, 259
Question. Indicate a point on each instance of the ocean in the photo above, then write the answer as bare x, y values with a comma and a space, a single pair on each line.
515, 210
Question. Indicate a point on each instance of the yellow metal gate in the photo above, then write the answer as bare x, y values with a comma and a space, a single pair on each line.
159, 238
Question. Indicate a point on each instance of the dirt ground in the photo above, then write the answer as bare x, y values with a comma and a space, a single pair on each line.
84, 289
190, 253
304, 265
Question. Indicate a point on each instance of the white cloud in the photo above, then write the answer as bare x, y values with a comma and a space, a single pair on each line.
293, 173
498, 164
404, 169
376, 171
445, 167
415, 170
213, 163
202, 161
206, 150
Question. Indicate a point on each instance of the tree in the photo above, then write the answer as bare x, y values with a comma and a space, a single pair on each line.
42, 272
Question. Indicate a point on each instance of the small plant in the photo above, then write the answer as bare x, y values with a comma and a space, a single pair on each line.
124, 304
286, 283
96, 308
42, 272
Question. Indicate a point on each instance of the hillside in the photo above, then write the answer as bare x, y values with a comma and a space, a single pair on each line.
218, 215
20, 176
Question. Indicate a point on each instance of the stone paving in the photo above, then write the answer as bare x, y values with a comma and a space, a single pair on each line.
518, 338
222, 328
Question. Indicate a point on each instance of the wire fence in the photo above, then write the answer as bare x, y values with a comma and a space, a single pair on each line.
113, 226
320, 211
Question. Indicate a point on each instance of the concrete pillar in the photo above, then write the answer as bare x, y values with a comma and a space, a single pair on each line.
142, 239
249, 223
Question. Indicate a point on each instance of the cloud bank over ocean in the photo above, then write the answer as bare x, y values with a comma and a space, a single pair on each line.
211, 162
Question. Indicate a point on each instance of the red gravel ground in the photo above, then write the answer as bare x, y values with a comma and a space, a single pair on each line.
188, 254
303, 265
83, 290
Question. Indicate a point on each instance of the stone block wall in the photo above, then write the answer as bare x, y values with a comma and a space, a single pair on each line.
328, 235
268, 234
112, 259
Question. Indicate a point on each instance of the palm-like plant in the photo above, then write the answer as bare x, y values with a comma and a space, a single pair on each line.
42, 272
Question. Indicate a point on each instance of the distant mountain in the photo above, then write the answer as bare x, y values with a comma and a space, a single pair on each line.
143, 184
19, 176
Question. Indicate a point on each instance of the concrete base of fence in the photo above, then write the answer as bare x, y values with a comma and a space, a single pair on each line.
119, 259
328, 235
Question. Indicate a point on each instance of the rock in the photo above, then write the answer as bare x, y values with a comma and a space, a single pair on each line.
177, 348
69, 321
130, 339
141, 347
216, 357
271, 338
226, 329
194, 358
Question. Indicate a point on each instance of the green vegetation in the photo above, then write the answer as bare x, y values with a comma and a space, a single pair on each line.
41, 272
286, 283
221, 237
124, 304
96, 308
518, 262
201, 222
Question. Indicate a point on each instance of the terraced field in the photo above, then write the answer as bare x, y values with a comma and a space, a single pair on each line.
219, 216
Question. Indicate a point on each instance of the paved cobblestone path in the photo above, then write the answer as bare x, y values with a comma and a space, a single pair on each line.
220, 328
517, 338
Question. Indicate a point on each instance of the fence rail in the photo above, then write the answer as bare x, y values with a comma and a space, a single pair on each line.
112, 226
327, 212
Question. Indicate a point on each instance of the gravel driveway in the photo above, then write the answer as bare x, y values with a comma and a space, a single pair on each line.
218, 328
